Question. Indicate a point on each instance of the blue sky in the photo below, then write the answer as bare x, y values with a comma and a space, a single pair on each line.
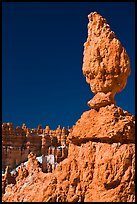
42, 56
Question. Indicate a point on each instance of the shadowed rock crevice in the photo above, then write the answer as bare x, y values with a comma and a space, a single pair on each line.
78, 142
111, 185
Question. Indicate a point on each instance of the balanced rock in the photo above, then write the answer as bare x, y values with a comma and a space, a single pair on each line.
100, 166
106, 64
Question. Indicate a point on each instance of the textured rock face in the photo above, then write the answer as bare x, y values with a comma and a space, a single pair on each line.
18, 142
109, 124
100, 166
106, 64
93, 172
13, 145
7, 179
15, 149
101, 99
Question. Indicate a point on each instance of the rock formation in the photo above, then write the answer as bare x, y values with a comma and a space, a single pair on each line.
14, 149
100, 166
7, 178
18, 142
106, 64
109, 124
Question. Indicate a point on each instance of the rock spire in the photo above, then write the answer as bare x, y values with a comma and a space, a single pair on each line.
100, 166
106, 64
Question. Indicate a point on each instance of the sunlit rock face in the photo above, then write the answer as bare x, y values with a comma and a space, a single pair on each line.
100, 166
106, 64
110, 124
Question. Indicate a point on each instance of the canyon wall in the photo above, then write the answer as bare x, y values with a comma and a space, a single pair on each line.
18, 142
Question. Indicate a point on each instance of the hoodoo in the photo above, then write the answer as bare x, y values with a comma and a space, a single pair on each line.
100, 166
106, 64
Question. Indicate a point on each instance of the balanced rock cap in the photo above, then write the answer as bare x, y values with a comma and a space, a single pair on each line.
106, 64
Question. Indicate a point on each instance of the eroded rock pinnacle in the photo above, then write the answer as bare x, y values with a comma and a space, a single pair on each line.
106, 64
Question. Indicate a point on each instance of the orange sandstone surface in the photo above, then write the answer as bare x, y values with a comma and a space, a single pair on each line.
106, 64
100, 166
